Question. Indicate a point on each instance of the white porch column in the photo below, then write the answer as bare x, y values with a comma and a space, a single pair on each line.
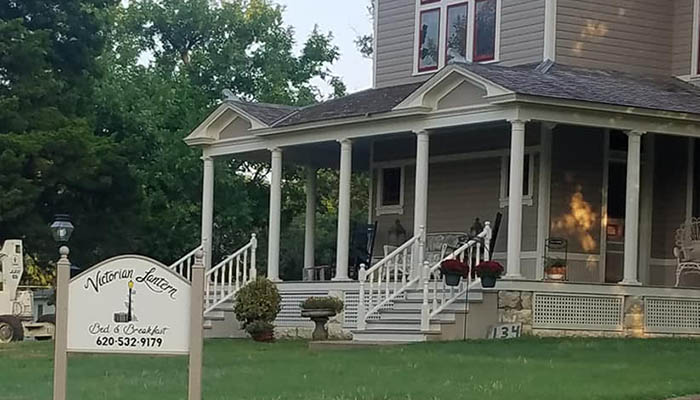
310, 224
420, 213
634, 148
515, 199
343, 244
207, 209
273, 241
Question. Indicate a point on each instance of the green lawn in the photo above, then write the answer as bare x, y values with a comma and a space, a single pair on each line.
521, 369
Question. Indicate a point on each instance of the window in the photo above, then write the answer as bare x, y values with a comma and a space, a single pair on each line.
485, 30
390, 189
450, 31
457, 33
429, 40
528, 179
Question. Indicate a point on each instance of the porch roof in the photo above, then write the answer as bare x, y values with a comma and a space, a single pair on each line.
547, 79
593, 85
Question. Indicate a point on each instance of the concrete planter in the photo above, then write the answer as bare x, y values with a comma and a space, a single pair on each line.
320, 318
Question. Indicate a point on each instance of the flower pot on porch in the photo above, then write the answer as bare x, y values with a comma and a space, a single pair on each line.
320, 318
452, 279
488, 281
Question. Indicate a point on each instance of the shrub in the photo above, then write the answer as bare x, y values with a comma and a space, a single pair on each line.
323, 303
259, 300
454, 267
259, 327
489, 268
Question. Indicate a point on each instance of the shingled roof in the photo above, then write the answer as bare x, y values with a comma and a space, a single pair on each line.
543, 80
266, 113
371, 101
594, 85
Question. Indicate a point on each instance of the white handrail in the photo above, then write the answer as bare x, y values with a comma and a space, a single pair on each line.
473, 252
386, 279
226, 278
183, 266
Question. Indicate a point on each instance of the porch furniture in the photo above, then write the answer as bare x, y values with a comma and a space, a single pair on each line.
362, 246
318, 273
556, 267
687, 250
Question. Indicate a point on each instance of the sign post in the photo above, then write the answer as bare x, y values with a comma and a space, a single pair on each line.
129, 305
196, 327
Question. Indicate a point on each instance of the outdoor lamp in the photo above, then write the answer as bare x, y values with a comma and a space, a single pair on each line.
61, 228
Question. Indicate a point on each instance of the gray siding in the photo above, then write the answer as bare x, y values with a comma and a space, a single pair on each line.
522, 31
682, 36
395, 37
522, 37
630, 35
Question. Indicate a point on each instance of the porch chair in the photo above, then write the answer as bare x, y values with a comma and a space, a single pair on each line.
687, 249
362, 247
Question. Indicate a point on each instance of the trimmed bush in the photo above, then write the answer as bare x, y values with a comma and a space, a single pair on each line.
259, 300
323, 303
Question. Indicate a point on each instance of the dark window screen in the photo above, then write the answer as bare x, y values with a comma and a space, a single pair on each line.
391, 189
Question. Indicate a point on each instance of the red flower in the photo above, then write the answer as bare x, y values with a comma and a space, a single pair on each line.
454, 267
489, 268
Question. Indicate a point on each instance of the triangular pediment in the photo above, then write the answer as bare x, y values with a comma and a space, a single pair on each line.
226, 122
453, 87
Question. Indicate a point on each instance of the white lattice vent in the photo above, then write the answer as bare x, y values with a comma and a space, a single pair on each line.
290, 313
577, 312
669, 315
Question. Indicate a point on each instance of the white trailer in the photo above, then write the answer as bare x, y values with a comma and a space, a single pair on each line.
16, 319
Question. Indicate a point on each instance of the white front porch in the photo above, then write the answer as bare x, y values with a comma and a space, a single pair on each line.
552, 167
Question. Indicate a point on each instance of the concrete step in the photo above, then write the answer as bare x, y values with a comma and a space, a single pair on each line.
418, 295
404, 324
415, 304
399, 314
394, 335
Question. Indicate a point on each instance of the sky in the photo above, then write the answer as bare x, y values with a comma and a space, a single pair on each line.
346, 19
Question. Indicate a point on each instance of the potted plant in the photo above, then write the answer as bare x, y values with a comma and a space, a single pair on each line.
319, 310
257, 305
489, 271
454, 271
555, 269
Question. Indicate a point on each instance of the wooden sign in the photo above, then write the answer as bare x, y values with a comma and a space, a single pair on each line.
129, 304
505, 331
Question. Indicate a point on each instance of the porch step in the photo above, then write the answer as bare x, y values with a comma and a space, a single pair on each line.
403, 324
395, 335
413, 314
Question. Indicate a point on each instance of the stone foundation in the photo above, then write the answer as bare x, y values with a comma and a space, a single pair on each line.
517, 307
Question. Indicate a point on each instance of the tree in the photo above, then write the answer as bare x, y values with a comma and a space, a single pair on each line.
365, 43
50, 159
194, 50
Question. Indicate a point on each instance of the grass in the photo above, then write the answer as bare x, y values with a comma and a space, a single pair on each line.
527, 368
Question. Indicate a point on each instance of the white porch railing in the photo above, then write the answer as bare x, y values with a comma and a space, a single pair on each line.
441, 296
223, 280
184, 265
387, 279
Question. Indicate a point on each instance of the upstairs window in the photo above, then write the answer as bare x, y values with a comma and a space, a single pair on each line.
485, 30
450, 31
429, 40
